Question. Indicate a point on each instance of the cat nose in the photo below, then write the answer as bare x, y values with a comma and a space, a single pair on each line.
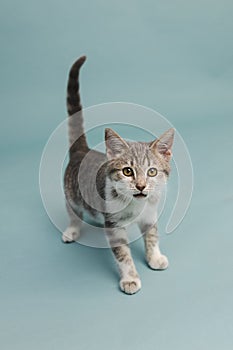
140, 187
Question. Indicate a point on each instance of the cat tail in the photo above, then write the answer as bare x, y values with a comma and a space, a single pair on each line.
77, 138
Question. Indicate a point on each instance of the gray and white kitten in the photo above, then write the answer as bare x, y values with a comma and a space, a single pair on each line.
124, 186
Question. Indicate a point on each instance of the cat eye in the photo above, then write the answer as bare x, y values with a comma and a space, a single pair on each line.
127, 171
152, 172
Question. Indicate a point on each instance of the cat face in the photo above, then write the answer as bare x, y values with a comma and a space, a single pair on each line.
138, 169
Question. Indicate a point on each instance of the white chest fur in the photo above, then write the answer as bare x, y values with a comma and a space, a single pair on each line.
133, 210
138, 211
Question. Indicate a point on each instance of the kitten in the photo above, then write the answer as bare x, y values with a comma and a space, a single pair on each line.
123, 185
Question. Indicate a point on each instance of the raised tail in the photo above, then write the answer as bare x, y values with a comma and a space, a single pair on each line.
77, 138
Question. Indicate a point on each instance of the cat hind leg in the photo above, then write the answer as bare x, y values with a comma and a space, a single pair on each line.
72, 232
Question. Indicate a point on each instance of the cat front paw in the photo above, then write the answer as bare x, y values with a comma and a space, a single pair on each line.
158, 262
130, 286
71, 234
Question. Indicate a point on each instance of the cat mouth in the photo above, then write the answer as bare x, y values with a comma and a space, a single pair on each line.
140, 195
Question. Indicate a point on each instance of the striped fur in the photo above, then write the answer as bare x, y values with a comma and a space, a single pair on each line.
74, 109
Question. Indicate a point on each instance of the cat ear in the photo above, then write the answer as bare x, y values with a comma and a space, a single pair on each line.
115, 145
163, 145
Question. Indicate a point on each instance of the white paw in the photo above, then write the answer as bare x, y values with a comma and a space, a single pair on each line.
130, 285
158, 262
71, 234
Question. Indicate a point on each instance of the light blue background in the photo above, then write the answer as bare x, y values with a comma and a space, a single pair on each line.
173, 56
